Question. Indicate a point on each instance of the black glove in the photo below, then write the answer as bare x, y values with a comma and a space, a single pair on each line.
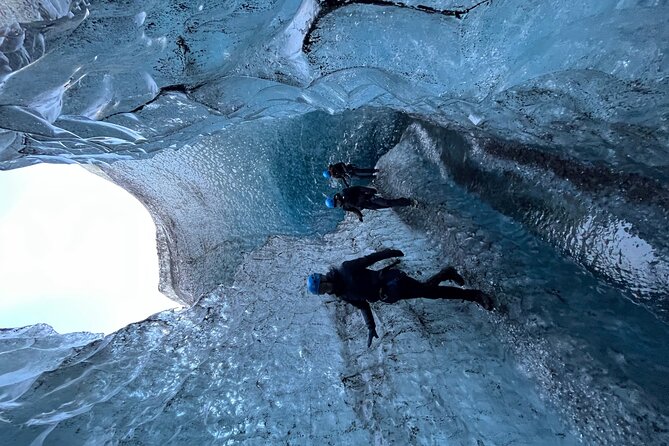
372, 335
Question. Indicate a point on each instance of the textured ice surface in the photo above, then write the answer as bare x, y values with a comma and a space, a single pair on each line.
533, 133
262, 362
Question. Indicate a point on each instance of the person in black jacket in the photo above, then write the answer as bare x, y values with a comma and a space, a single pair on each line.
355, 198
344, 172
354, 283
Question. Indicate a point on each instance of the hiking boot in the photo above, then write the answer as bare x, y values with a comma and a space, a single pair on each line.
484, 300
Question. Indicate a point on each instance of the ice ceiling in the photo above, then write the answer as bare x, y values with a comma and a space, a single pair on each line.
533, 133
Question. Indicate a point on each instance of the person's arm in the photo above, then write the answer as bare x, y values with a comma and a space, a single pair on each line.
364, 262
369, 321
355, 210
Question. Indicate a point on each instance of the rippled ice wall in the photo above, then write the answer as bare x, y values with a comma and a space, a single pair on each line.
534, 135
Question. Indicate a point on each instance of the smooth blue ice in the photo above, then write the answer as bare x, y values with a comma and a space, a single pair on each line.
533, 134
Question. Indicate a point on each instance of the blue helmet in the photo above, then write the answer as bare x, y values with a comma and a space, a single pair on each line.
314, 283
329, 202
326, 174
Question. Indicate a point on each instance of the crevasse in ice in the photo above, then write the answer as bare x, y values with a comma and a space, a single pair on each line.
533, 134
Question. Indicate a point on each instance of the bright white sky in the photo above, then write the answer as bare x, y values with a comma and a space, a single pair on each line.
76, 252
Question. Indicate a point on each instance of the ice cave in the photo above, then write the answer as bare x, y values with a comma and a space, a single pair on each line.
533, 134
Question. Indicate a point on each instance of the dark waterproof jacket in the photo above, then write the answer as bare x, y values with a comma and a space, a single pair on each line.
355, 198
341, 170
354, 283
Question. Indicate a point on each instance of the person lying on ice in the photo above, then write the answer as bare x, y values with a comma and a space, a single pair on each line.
354, 283
355, 198
344, 172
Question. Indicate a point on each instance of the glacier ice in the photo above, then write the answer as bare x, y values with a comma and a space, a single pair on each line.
533, 133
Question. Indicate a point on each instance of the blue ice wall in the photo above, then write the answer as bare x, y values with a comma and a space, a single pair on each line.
533, 134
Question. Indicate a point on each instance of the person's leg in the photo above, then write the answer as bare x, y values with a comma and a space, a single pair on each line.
448, 273
384, 203
399, 286
448, 292
399, 202
363, 171
365, 176
377, 203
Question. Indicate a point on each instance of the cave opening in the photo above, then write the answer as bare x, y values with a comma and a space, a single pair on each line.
78, 252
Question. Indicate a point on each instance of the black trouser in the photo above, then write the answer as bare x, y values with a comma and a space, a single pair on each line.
363, 173
384, 203
399, 286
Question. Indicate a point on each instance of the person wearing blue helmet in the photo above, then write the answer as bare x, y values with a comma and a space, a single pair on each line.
355, 198
345, 172
356, 284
